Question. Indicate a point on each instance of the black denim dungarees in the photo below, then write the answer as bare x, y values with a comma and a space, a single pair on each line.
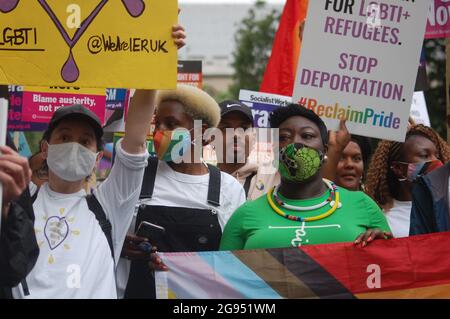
187, 229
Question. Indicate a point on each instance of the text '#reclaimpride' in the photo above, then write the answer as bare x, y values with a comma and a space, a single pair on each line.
367, 115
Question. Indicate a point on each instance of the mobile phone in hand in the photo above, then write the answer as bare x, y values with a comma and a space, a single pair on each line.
150, 231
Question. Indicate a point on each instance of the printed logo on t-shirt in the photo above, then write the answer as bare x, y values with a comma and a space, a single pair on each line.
300, 232
56, 231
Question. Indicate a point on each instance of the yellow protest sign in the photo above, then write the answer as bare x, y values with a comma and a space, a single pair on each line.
88, 43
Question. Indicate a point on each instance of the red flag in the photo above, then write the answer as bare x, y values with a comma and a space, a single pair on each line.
280, 72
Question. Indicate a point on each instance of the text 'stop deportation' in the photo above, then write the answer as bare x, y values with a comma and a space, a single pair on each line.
369, 55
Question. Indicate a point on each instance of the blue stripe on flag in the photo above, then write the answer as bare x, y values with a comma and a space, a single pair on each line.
238, 275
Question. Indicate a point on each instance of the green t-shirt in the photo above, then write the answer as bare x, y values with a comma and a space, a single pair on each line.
255, 225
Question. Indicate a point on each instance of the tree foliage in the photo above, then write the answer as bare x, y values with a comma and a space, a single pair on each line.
254, 40
435, 95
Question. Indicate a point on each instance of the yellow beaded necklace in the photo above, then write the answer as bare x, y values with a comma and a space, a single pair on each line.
302, 219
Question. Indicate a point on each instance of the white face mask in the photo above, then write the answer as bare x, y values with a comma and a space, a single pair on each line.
71, 161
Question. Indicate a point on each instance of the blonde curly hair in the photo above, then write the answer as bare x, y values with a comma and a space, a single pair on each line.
197, 103
380, 183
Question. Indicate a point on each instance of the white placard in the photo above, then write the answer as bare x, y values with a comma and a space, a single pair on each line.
359, 60
3, 126
419, 111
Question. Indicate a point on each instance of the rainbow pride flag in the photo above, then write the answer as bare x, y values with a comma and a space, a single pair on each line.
414, 267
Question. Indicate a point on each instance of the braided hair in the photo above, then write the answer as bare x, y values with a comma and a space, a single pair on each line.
381, 183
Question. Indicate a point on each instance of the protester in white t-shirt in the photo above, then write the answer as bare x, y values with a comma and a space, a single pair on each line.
79, 244
75, 258
183, 197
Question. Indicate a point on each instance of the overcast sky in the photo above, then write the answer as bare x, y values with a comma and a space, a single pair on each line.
228, 1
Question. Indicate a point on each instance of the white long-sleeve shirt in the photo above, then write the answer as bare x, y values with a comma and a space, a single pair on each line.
75, 259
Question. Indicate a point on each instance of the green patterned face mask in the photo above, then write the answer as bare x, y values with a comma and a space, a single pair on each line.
298, 162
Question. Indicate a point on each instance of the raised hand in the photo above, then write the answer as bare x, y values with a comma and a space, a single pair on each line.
15, 174
340, 138
179, 36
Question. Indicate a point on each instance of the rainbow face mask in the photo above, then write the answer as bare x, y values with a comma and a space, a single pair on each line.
170, 146
412, 171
